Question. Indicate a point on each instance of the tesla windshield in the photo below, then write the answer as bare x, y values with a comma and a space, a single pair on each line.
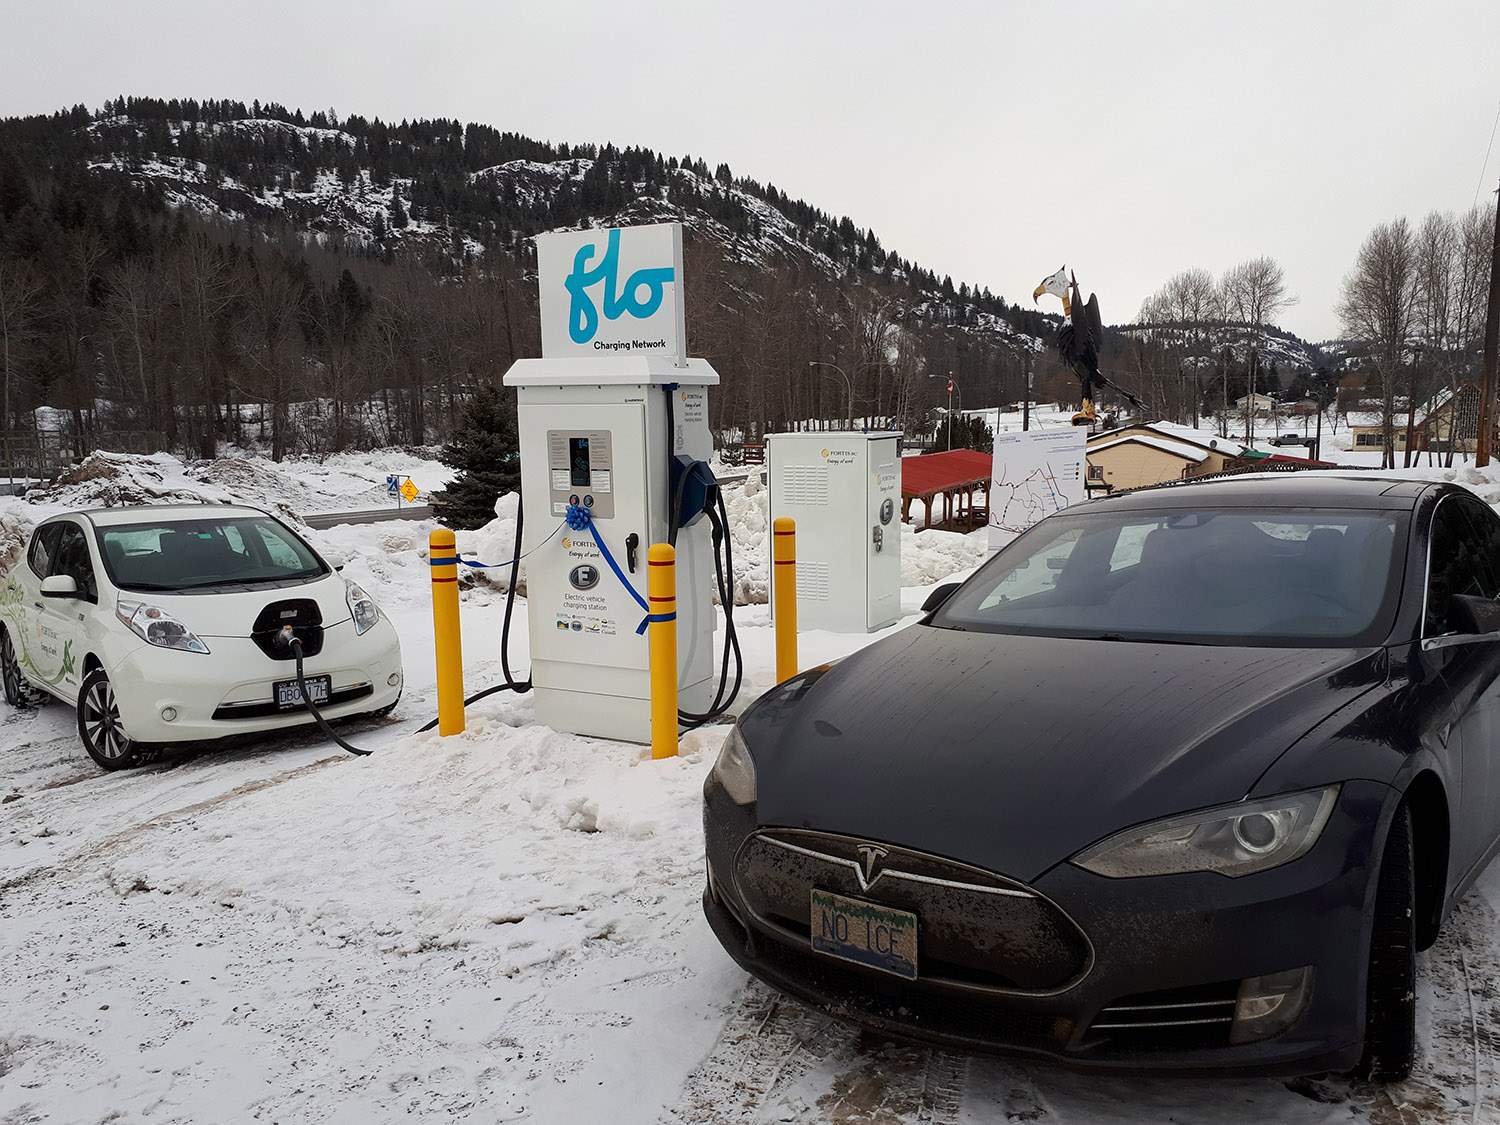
184, 554
1293, 576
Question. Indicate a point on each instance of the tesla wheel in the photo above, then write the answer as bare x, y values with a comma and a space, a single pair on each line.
1391, 1002
18, 693
99, 726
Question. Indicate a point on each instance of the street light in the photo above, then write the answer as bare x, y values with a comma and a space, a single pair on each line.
952, 385
847, 383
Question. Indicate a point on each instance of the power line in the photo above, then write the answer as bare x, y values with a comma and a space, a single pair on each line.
1480, 186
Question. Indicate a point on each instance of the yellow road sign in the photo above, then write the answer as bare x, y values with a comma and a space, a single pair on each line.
409, 490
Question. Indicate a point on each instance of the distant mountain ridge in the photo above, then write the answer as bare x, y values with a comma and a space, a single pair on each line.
774, 283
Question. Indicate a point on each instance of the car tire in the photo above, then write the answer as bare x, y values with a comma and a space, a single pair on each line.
18, 693
1390, 997
382, 712
99, 726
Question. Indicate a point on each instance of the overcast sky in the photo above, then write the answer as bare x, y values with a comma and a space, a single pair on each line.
992, 141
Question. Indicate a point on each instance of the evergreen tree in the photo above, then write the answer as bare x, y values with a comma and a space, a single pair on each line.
486, 452
968, 433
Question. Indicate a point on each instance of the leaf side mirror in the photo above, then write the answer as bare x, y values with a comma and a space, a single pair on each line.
335, 562
939, 596
59, 586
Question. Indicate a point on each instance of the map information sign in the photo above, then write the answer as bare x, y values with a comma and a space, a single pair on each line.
1036, 473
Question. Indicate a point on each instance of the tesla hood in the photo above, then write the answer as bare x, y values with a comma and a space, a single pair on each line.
1016, 752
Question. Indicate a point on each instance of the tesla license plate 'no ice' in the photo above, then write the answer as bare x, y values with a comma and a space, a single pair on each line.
867, 934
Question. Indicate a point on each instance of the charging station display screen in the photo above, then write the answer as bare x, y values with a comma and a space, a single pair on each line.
578, 462
580, 470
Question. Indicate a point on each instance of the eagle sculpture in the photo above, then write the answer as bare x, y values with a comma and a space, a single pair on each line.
1078, 340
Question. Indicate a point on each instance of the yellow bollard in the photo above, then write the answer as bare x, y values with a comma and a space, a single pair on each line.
450, 658
784, 553
661, 590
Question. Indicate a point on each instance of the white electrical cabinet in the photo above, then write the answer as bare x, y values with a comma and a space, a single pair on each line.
844, 491
601, 432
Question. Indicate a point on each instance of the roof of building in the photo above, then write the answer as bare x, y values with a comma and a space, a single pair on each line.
938, 472
1166, 445
1228, 447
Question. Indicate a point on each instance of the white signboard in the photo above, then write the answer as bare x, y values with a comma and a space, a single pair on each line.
1036, 473
608, 292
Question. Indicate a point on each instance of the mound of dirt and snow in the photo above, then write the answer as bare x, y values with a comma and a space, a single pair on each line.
292, 488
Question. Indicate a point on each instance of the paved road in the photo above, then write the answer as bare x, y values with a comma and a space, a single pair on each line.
370, 515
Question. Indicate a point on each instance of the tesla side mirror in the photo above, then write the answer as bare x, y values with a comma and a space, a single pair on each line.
1468, 613
939, 596
59, 586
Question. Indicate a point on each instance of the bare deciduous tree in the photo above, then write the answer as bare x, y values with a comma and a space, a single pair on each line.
1380, 305
20, 292
1254, 294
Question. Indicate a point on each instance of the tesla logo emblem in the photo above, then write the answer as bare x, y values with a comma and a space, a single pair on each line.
869, 865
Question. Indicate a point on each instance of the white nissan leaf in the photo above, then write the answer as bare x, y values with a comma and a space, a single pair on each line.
171, 623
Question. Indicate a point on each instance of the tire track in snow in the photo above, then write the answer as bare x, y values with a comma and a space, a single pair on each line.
768, 1042
68, 866
777, 1060
1457, 1075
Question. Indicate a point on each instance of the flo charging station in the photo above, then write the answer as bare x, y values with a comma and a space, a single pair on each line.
844, 491
615, 447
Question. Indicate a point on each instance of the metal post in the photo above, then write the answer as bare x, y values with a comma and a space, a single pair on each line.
661, 590
1026, 397
784, 553
848, 384
1491, 345
447, 640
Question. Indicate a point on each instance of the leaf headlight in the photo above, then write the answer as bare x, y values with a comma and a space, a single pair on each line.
1232, 840
362, 607
157, 627
735, 769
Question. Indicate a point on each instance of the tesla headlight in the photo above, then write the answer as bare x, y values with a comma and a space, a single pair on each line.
1233, 839
157, 627
735, 770
362, 607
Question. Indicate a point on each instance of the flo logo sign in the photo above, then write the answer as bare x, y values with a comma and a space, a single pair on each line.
607, 292
640, 298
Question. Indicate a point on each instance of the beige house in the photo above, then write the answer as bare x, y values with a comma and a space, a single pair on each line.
1448, 418
1154, 453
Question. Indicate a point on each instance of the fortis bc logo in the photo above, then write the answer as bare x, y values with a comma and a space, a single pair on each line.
583, 315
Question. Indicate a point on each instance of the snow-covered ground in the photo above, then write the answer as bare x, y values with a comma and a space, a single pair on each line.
498, 925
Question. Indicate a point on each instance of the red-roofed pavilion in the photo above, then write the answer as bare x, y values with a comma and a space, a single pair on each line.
952, 475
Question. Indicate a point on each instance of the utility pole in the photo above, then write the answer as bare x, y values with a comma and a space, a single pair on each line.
1026, 397
1491, 345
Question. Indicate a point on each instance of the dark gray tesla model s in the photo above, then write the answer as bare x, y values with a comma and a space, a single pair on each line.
1180, 779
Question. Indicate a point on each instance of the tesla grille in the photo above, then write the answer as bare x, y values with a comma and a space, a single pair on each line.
306, 620
1177, 1019
852, 994
976, 930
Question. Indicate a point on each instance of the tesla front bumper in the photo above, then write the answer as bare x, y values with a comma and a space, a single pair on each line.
1126, 974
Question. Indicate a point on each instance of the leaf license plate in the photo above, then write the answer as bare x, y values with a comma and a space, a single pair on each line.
289, 694
864, 933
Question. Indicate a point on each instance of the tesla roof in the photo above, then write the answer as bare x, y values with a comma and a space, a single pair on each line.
1313, 489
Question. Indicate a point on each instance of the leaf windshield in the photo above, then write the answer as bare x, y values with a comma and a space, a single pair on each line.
211, 551
1227, 576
